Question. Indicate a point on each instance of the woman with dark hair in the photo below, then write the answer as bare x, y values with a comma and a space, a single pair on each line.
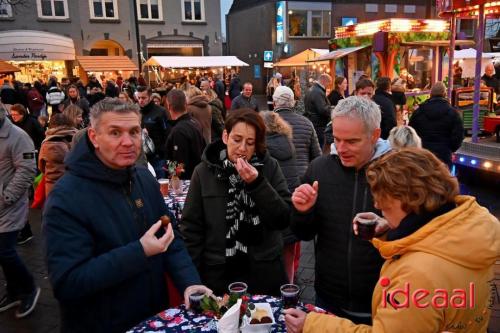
237, 202
56, 145
440, 250
338, 91
21, 118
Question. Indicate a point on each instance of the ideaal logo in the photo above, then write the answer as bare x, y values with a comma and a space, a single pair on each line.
405, 297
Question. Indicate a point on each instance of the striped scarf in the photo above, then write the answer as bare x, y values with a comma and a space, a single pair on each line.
243, 225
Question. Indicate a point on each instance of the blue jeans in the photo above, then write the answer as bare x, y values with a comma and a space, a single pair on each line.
19, 279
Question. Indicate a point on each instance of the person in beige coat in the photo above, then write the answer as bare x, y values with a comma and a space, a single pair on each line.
54, 148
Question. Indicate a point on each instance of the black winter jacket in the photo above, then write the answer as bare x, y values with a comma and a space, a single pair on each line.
154, 119
31, 126
439, 126
304, 138
282, 150
388, 109
185, 144
204, 223
317, 106
241, 102
92, 222
347, 267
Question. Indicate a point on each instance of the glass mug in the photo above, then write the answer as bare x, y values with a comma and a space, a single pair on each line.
290, 295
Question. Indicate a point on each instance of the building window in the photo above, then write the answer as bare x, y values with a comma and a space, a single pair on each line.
53, 9
410, 9
5, 10
193, 10
391, 8
371, 8
150, 10
309, 23
103, 9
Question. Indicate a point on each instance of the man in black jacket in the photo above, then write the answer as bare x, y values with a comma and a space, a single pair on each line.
107, 248
383, 98
317, 106
185, 144
335, 190
155, 121
439, 125
246, 99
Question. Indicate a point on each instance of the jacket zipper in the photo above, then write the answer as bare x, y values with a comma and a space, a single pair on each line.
349, 246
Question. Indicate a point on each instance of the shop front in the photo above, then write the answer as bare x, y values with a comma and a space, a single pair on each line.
37, 54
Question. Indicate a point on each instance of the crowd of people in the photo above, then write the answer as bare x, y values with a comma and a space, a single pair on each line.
259, 184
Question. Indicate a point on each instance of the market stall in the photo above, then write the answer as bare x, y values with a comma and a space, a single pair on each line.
166, 68
37, 54
7, 69
109, 66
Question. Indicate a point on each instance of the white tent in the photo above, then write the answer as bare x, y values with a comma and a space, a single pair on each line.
471, 54
195, 62
467, 60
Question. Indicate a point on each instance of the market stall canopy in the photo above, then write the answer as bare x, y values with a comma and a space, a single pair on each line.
30, 45
301, 59
195, 62
471, 54
440, 43
106, 63
5, 67
339, 53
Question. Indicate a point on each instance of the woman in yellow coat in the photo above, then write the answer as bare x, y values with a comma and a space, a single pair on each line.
440, 249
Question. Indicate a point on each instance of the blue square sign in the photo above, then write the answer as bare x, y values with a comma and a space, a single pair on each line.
268, 55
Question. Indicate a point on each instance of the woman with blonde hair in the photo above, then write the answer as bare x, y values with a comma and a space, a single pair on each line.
280, 147
440, 250
124, 97
271, 87
74, 114
404, 136
218, 114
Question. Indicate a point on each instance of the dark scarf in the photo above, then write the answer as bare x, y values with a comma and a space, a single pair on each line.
243, 226
412, 222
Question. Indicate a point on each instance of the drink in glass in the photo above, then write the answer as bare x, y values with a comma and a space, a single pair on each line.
195, 302
366, 227
238, 288
290, 295
163, 186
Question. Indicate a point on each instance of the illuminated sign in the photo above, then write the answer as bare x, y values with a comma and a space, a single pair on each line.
280, 22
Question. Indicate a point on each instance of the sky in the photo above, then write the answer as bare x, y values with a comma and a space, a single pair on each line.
224, 7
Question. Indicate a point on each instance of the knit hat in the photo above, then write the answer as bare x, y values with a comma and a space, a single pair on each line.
283, 94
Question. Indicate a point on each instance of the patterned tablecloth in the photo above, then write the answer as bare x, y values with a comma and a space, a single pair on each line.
186, 321
175, 202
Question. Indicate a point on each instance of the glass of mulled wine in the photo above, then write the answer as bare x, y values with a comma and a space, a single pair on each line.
195, 302
366, 227
238, 288
290, 295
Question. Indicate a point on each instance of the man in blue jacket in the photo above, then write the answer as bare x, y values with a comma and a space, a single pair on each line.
107, 251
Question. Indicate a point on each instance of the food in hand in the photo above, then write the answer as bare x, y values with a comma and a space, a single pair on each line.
165, 221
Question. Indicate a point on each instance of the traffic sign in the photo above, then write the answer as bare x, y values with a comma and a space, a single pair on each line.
268, 55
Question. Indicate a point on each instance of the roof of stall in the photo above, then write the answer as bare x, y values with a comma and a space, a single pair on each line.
195, 62
106, 63
5, 67
301, 59
435, 43
339, 53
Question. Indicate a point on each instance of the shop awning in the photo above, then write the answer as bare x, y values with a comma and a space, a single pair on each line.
337, 54
441, 43
195, 62
301, 59
106, 63
30, 45
5, 67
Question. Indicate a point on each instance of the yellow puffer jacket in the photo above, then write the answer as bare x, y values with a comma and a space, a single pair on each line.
453, 252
